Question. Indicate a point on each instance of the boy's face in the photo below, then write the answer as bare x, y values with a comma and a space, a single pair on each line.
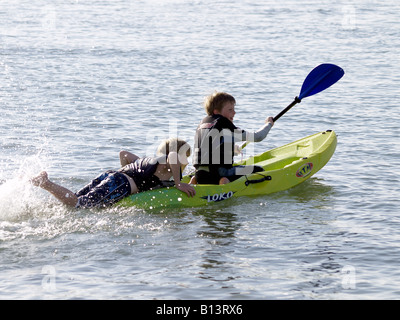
228, 110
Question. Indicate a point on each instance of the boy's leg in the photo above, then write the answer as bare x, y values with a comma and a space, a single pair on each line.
206, 177
236, 172
113, 188
95, 182
224, 180
64, 195
239, 171
193, 180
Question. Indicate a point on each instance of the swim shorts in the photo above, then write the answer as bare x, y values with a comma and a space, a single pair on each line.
105, 190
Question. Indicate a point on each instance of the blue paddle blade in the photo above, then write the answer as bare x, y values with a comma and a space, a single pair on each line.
320, 78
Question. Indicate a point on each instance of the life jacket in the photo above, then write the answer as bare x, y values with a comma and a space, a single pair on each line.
214, 142
142, 172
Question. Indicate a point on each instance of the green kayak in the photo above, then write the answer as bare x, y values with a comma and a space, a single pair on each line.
285, 167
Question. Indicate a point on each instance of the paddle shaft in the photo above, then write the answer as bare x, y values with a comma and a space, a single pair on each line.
319, 79
295, 101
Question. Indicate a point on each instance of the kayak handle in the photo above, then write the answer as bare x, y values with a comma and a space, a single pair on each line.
264, 178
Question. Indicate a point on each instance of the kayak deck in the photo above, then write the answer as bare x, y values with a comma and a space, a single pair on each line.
284, 168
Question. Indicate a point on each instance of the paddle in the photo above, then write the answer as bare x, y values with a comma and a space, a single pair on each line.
319, 79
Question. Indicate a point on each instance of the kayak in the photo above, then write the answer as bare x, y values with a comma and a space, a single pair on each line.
284, 167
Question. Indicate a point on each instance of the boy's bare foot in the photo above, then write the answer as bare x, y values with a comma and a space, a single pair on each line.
40, 180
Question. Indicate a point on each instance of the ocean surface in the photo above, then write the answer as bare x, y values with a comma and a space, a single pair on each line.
81, 80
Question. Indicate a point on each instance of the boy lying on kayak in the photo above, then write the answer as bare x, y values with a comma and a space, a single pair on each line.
136, 175
214, 142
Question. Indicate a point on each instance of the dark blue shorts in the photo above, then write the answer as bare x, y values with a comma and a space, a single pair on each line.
105, 190
215, 174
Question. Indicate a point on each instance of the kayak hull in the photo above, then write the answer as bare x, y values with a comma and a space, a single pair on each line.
285, 167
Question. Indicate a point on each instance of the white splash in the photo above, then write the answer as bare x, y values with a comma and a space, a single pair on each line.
18, 197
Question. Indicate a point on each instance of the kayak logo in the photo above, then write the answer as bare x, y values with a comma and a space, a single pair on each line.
304, 170
216, 197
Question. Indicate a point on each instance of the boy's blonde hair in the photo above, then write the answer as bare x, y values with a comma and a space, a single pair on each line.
181, 147
216, 101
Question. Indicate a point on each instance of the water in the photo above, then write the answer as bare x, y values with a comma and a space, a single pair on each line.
81, 80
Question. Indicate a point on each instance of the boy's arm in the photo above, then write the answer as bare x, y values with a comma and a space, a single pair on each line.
125, 157
260, 134
175, 166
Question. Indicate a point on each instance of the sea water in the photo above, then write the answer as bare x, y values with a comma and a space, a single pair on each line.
81, 80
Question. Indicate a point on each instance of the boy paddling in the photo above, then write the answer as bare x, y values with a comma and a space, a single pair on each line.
214, 143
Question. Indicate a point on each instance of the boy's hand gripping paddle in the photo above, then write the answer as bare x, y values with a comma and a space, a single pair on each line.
319, 79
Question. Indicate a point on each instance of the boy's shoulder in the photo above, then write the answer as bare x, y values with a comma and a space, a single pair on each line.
217, 121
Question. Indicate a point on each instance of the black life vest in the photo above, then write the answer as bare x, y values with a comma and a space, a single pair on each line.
214, 142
